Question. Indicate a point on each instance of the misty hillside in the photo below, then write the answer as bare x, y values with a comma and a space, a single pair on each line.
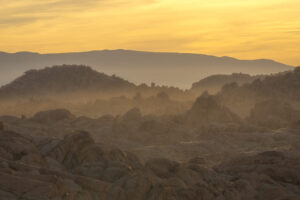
215, 83
282, 86
63, 79
162, 68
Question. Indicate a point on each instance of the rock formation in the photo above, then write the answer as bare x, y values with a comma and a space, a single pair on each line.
206, 111
75, 167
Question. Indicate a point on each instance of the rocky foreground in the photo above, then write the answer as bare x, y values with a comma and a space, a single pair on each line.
75, 167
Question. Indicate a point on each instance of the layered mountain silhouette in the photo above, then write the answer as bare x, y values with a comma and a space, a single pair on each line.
161, 147
215, 83
163, 68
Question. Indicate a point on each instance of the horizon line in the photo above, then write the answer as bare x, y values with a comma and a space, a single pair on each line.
145, 51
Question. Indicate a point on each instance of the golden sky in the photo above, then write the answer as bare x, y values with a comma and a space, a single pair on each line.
245, 29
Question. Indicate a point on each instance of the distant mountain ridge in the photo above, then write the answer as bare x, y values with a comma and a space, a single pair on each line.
172, 69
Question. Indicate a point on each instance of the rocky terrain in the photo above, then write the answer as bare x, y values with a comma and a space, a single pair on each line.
242, 143
76, 167
208, 129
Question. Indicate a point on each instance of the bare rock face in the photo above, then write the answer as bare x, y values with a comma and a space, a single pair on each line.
274, 114
52, 116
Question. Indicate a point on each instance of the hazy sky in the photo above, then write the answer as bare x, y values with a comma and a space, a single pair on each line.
245, 29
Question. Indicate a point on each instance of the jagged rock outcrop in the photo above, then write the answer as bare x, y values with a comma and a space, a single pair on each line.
206, 112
